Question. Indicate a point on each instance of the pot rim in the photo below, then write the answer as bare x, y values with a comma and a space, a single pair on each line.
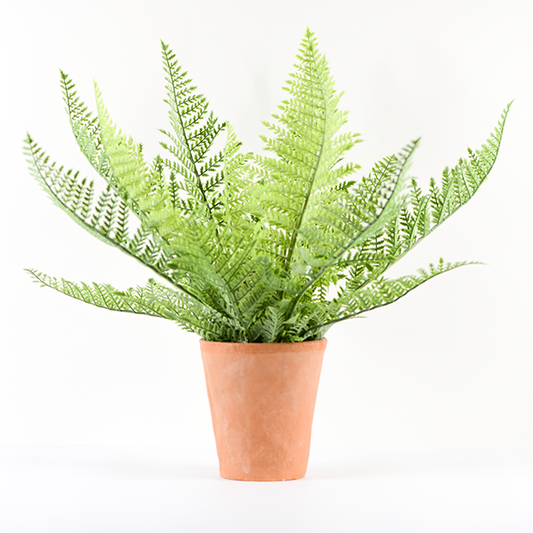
261, 347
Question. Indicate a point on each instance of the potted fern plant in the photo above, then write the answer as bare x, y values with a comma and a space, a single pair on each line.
259, 255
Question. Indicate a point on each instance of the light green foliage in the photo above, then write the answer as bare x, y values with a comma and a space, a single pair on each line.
253, 248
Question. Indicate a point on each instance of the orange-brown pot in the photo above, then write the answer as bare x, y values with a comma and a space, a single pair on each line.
262, 399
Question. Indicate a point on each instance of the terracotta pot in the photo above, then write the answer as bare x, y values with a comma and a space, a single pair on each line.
262, 399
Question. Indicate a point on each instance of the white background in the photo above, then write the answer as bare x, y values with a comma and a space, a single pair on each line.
447, 369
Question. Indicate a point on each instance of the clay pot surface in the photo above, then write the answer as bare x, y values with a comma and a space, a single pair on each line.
262, 399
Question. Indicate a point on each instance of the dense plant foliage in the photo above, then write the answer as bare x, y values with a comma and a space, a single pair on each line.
253, 248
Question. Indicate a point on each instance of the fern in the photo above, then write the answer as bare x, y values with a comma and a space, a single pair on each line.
253, 248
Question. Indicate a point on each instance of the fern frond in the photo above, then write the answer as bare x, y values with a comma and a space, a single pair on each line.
381, 292
423, 213
149, 300
307, 148
353, 229
194, 130
106, 219
153, 300
238, 196
143, 188
85, 127
75, 196
129, 171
